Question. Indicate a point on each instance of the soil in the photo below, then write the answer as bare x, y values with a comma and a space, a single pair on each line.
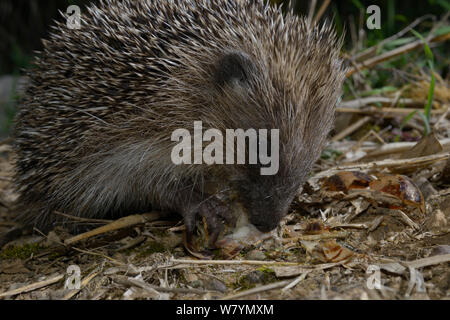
339, 257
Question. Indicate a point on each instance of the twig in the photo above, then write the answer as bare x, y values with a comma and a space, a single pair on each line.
132, 243
397, 147
371, 62
296, 281
124, 222
312, 8
399, 34
260, 289
375, 223
83, 284
442, 117
317, 237
362, 102
321, 11
292, 271
425, 262
437, 26
386, 112
233, 262
402, 163
377, 136
32, 287
117, 262
350, 226
362, 140
398, 267
406, 219
141, 284
349, 130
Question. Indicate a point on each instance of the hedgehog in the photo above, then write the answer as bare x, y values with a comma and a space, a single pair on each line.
93, 132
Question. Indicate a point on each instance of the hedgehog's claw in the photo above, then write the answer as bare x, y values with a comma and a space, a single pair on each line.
214, 213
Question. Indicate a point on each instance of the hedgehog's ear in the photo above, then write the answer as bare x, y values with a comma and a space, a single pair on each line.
234, 69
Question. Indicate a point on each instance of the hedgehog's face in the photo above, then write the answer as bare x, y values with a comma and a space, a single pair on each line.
238, 79
266, 198
297, 100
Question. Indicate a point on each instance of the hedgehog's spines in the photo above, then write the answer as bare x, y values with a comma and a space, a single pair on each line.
93, 134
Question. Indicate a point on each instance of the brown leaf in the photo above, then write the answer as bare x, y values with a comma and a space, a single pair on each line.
334, 252
427, 146
402, 188
346, 180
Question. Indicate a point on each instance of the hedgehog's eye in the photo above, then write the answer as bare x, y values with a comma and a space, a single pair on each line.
232, 68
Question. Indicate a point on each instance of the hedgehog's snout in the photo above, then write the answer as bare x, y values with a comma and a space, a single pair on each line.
266, 217
266, 212
264, 201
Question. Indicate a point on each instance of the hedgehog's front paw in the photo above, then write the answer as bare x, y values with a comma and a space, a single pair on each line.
209, 217
215, 215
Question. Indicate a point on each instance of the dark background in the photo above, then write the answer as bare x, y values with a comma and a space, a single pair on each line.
25, 22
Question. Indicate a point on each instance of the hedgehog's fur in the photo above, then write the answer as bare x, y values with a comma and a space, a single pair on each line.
93, 135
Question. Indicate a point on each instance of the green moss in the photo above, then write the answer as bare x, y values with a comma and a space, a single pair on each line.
152, 247
20, 252
266, 270
263, 275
